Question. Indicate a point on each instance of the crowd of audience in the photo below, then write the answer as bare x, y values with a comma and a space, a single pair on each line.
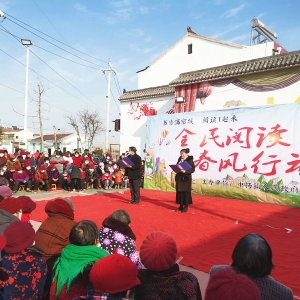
71, 172
65, 259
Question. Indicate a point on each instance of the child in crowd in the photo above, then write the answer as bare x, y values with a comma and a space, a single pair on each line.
75, 176
28, 206
66, 180
107, 180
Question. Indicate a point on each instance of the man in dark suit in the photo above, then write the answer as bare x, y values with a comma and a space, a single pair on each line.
134, 176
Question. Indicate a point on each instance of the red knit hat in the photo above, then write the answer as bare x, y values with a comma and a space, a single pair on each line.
19, 236
1, 151
226, 284
18, 168
26, 164
59, 206
91, 166
114, 274
2, 241
23, 153
158, 251
42, 168
11, 205
28, 204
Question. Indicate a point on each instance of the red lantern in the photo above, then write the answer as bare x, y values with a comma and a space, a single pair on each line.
204, 90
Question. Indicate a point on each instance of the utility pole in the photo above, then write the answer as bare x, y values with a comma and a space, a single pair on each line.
54, 128
109, 70
40, 117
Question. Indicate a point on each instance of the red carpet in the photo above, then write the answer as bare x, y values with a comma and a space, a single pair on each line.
207, 234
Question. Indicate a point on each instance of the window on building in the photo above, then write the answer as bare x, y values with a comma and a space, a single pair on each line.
190, 48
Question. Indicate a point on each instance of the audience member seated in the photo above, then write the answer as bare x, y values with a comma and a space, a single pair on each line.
30, 170
25, 267
72, 268
21, 177
91, 176
252, 256
28, 206
3, 159
66, 180
10, 211
116, 236
53, 234
113, 277
41, 179
226, 284
3, 180
12, 163
54, 176
107, 181
162, 279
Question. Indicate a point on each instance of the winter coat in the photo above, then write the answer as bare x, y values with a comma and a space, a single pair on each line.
168, 284
3, 180
11, 165
53, 174
135, 171
30, 173
269, 288
27, 275
3, 161
118, 236
20, 177
77, 161
106, 176
40, 176
75, 173
184, 180
6, 219
53, 234
91, 174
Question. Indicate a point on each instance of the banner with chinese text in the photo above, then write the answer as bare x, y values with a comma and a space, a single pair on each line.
250, 153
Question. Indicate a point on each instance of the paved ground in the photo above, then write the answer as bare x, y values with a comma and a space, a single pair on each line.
202, 277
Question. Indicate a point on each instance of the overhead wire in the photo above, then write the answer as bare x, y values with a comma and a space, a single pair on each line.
54, 44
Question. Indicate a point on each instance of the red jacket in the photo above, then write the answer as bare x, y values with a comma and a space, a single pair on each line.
77, 161
40, 176
20, 177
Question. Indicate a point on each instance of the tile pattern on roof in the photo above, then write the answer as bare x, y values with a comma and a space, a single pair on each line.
153, 92
290, 59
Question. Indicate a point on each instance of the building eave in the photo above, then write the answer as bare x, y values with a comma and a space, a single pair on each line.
286, 60
152, 92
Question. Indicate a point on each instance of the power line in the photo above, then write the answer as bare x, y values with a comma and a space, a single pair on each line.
48, 19
41, 76
64, 79
56, 45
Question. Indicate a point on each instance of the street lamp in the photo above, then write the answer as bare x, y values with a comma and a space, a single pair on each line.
26, 43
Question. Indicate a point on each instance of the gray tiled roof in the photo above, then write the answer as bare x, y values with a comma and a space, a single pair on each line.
152, 92
269, 63
290, 59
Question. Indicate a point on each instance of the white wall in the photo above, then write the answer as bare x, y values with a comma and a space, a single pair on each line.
206, 54
133, 126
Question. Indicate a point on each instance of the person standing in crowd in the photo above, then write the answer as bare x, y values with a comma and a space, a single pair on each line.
184, 181
252, 256
134, 175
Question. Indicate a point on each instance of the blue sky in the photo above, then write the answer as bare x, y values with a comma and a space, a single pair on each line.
131, 33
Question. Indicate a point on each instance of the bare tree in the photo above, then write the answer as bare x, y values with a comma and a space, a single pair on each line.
88, 122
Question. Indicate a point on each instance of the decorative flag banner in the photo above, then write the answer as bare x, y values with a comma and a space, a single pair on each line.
249, 153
